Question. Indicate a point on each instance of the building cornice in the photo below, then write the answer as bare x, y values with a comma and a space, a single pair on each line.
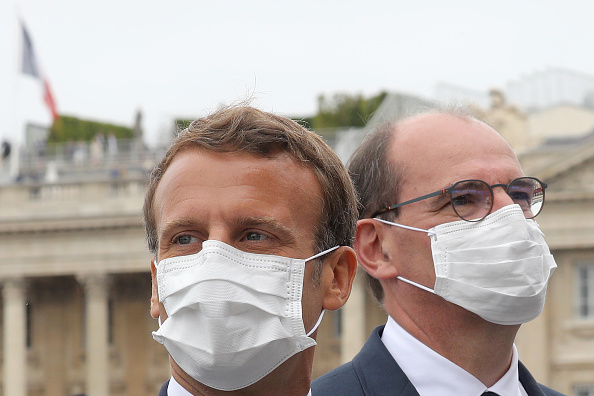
74, 223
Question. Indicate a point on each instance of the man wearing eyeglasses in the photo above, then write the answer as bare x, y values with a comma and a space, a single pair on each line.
447, 239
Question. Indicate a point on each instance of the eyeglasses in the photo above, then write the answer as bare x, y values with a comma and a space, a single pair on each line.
472, 200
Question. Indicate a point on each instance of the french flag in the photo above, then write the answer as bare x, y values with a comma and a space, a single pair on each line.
30, 67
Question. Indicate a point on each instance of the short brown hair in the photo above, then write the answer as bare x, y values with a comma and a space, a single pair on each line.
249, 130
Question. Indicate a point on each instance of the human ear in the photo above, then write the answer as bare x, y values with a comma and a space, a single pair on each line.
338, 274
155, 309
374, 250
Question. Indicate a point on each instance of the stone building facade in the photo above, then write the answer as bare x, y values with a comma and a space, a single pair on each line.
75, 291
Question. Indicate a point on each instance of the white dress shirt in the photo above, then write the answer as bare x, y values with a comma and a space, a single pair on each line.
434, 375
175, 389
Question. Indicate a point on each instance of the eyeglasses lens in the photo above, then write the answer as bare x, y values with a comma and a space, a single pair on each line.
528, 193
471, 199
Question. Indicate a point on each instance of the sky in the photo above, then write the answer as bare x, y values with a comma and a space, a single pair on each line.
107, 59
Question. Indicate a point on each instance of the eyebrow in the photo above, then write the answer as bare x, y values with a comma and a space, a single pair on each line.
255, 221
178, 223
248, 221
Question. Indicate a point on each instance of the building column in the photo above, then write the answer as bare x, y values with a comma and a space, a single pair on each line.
96, 333
353, 321
15, 337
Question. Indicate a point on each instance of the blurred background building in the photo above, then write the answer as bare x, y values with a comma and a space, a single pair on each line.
75, 272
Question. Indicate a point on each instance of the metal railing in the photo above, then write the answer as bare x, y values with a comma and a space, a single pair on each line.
96, 160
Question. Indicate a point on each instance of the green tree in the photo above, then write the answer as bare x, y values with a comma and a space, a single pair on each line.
341, 110
182, 123
67, 128
345, 110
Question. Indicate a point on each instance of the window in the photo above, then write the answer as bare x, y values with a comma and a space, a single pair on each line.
585, 290
583, 390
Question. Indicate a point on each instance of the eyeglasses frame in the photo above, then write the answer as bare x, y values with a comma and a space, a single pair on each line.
449, 192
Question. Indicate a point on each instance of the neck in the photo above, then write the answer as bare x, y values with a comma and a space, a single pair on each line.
481, 348
293, 377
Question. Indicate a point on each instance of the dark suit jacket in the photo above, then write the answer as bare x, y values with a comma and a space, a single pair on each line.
163, 391
373, 372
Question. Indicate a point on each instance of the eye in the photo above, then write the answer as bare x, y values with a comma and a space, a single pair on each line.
185, 239
461, 200
255, 236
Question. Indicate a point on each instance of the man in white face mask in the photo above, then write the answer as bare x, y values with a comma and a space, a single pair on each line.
447, 237
250, 218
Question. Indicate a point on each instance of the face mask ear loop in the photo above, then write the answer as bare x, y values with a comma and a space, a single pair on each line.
317, 323
315, 256
429, 232
416, 284
400, 225
159, 320
323, 310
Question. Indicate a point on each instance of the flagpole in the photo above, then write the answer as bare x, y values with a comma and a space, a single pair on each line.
16, 132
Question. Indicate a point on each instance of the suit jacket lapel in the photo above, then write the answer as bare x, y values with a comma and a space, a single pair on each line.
528, 381
378, 372
163, 391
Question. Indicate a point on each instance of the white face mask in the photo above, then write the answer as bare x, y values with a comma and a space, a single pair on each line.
233, 317
497, 268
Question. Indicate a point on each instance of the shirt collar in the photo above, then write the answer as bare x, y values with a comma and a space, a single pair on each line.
434, 375
175, 389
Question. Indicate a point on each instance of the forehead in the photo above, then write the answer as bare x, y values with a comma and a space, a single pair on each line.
437, 150
214, 187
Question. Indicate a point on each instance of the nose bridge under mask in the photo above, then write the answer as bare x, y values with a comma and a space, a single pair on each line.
264, 328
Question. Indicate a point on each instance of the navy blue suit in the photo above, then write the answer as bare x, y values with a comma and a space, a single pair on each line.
163, 391
373, 372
